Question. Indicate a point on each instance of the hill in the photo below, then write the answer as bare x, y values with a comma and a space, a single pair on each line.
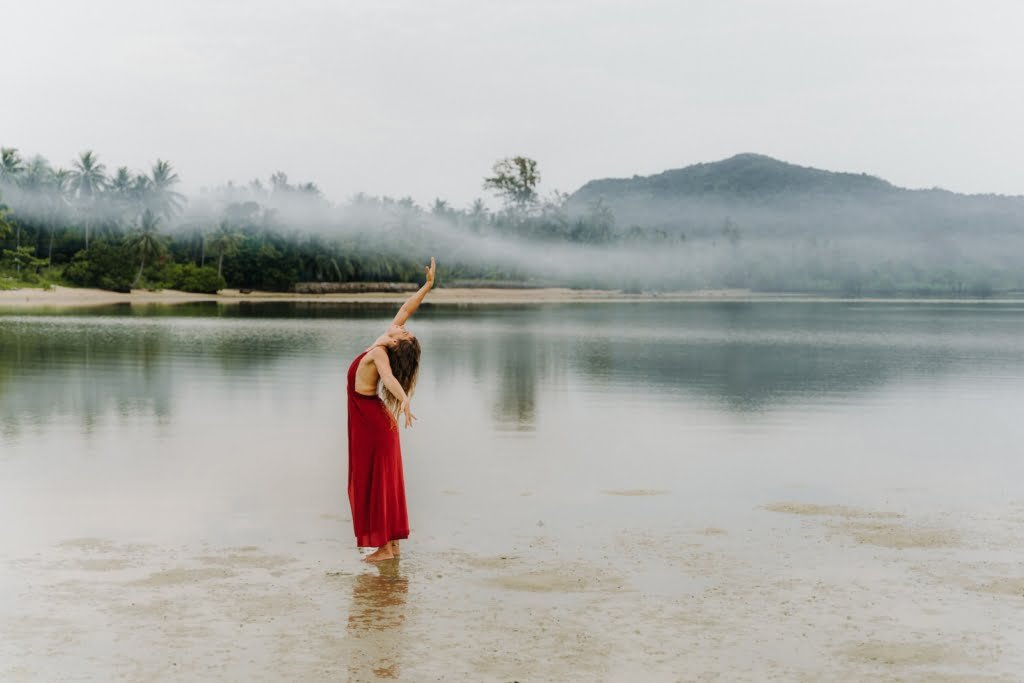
744, 176
764, 195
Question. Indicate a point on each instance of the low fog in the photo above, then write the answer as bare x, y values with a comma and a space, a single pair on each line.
847, 237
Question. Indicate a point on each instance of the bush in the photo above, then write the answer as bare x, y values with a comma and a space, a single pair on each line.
102, 265
204, 280
115, 285
188, 277
163, 275
78, 272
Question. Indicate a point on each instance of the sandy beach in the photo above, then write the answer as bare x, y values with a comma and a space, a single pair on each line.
74, 297
799, 593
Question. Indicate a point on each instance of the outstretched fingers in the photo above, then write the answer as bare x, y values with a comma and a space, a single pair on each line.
409, 417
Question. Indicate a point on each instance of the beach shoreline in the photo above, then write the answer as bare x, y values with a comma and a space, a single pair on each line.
74, 297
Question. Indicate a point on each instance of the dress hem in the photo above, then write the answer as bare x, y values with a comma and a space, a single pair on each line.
397, 537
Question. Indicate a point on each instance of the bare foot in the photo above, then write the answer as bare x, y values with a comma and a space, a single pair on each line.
395, 550
380, 554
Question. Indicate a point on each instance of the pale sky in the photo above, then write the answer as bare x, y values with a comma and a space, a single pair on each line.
419, 98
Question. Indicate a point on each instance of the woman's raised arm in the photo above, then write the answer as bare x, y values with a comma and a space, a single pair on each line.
410, 306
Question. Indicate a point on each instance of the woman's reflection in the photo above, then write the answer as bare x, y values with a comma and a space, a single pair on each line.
375, 620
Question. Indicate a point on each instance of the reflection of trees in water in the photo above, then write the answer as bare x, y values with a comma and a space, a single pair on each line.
595, 358
252, 347
519, 360
375, 621
739, 356
83, 371
750, 376
89, 369
243, 309
506, 364
751, 356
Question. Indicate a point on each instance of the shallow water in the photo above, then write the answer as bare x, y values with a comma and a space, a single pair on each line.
588, 471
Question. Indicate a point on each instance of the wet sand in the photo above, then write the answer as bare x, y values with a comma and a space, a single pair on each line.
799, 592
73, 297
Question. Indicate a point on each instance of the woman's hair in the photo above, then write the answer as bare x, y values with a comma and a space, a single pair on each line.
404, 358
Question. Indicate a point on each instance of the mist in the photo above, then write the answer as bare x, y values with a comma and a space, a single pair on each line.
866, 238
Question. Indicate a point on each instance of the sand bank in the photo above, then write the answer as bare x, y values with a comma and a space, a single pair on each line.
65, 297
74, 297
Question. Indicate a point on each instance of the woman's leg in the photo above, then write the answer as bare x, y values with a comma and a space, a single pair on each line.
395, 550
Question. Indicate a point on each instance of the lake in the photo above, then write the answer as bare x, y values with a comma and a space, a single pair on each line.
608, 491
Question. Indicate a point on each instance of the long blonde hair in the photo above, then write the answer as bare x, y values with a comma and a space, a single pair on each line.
404, 358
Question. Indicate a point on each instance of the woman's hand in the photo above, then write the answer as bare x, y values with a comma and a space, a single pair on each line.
404, 409
431, 271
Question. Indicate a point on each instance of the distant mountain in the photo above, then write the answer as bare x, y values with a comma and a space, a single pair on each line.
744, 176
764, 195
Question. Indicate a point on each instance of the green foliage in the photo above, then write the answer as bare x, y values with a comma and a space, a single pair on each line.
103, 265
23, 258
88, 176
11, 165
204, 280
515, 181
20, 267
187, 277
226, 241
278, 271
5, 226
160, 198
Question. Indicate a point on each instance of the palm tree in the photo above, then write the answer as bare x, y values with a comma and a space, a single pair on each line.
11, 165
477, 214
140, 190
88, 178
121, 182
5, 226
145, 241
34, 183
440, 207
61, 181
123, 189
37, 174
225, 242
194, 235
161, 198
89, 175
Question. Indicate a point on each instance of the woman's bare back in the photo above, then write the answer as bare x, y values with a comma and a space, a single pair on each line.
367, 376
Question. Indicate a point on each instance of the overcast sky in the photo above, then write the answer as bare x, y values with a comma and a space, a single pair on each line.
419, 97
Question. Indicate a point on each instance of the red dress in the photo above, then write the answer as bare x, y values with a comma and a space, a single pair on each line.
376, 487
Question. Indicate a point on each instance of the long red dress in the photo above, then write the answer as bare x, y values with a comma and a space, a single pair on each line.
376, 487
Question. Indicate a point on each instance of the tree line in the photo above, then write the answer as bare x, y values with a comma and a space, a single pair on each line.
84, 225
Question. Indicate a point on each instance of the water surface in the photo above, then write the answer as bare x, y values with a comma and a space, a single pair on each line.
554, 434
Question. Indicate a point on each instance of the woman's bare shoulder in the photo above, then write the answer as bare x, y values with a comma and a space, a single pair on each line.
372, 356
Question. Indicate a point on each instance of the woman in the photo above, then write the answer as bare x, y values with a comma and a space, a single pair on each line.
380, 382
